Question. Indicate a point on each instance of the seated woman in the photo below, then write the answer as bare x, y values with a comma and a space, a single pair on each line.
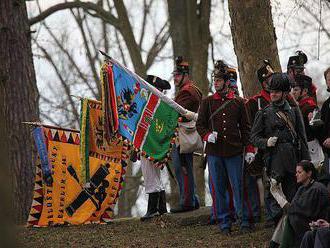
310, 203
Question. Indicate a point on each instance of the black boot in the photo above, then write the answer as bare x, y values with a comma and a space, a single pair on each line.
162, 203
152, 206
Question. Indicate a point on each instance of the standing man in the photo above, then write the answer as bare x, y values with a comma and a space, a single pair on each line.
223, 124
189, 97
325, 116
278, 130
152, 181
296, 66
253, 105
302, 93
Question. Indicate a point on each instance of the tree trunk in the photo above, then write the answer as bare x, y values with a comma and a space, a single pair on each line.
19, 94
190, 33
254, 39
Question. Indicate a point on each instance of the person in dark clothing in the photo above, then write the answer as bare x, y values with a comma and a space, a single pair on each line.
296, 66
189, 97
325, 116
278, 130
223, 123
310, 203
301, 91
253, 105
318, 237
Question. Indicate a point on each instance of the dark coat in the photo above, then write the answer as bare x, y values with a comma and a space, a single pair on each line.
310, 203
231, 123
289, 149
253, 105
325, 116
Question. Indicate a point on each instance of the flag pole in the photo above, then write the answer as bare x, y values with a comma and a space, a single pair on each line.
39, 124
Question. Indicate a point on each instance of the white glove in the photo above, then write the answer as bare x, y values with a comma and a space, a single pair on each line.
249, 157
191, 115
277, 192
271, 142
212, 137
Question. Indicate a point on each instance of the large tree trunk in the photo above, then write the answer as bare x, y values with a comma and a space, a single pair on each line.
190, 33
254, 39
19, 94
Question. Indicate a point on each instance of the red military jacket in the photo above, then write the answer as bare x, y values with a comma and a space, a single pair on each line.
307, 106
231, 123
256, 103
189, 96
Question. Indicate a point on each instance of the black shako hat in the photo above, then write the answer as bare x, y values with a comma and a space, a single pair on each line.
265, 71
220, 70
182, 66
297, 61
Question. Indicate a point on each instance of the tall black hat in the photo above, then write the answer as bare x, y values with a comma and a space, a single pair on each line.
265, 71
297, 61
221, 70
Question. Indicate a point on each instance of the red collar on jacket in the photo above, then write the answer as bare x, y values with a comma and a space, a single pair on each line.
230, 95
262, 94
308, 100
265, 95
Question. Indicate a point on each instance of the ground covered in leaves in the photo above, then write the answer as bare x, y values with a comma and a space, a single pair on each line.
183, 230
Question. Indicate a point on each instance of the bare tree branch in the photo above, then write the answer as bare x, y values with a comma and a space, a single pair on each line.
121, 50
73, 63
316, 18
77, 4
89, 55
146, 9
128, 35
63, 82
158, 45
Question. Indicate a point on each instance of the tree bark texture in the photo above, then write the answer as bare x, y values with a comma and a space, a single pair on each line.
19, 96
254, 39
190, 33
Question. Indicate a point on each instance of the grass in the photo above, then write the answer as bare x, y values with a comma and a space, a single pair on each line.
165, 231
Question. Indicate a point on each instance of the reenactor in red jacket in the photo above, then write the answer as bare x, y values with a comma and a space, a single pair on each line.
189, 97
223, 123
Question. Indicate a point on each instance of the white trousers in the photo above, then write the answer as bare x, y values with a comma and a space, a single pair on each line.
151, 175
